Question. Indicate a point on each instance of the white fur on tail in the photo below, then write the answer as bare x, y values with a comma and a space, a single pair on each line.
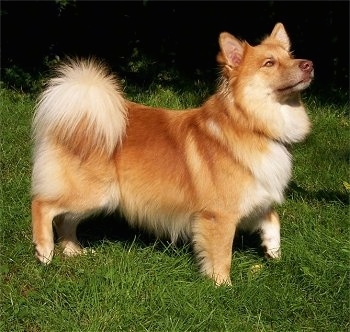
82, 108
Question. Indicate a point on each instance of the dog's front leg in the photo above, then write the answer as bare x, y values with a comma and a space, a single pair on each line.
212, 240
43, 238
270, 235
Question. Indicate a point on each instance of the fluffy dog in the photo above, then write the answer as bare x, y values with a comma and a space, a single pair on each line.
197, 174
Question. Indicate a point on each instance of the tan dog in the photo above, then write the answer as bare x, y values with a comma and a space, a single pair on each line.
197, 174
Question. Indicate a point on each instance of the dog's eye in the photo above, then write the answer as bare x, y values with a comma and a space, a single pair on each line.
269, 63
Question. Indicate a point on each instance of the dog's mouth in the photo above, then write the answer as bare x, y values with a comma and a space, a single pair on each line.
300, 85
290, 87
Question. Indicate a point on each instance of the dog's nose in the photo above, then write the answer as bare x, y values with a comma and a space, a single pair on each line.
306, 65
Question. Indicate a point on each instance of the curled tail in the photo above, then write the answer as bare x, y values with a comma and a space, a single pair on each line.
82, 108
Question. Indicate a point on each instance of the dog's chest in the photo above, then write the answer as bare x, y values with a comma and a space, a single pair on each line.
271, 173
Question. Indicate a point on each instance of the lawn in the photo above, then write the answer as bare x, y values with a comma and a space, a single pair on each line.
135, 283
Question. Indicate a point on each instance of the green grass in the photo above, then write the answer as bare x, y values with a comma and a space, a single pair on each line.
133, 283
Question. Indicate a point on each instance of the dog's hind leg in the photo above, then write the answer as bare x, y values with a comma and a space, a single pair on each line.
43, 213
212, 240
66, 229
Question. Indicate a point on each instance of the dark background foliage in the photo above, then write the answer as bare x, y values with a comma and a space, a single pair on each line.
172, 35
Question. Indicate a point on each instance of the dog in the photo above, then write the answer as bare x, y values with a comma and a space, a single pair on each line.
198, 174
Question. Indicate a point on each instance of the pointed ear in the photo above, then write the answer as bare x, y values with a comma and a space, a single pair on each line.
280, 34
231, 50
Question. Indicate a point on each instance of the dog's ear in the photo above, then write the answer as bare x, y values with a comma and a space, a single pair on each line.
279, 33
231, 50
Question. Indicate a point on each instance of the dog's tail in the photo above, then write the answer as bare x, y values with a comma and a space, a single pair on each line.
82, 108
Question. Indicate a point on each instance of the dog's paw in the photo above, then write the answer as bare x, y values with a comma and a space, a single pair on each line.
221, 280
273, 253
72, 249
43, 254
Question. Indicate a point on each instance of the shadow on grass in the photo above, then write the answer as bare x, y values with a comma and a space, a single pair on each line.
320, 195
113, 227
95, 230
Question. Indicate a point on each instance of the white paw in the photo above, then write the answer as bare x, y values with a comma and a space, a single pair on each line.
72, 249
44, 255
271, 241
274, 253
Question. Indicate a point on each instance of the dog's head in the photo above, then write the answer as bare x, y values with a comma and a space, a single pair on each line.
267, 69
